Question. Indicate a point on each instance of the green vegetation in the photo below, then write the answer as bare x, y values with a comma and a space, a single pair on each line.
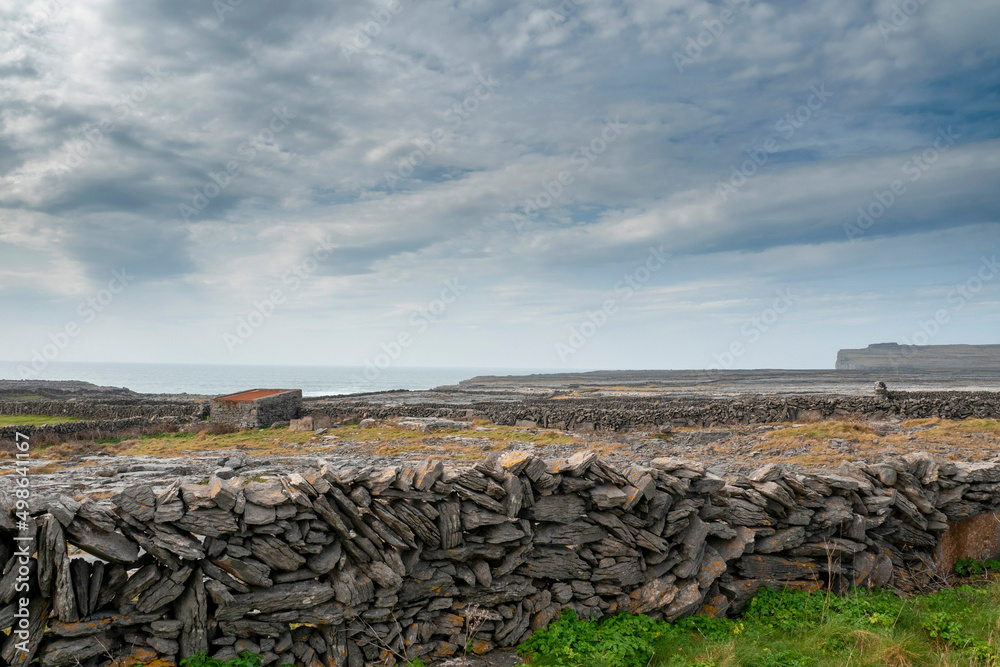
34, 420
245, 659
970, 567
790, 629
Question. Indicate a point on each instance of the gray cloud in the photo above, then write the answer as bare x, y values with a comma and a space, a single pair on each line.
387, 150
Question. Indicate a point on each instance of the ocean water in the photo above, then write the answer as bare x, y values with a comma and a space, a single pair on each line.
224, 379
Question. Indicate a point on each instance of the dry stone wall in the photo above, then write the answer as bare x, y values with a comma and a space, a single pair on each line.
106, 409
373, 565
9, 433
621, 414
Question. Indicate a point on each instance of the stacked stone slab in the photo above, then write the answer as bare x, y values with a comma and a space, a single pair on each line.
345, 566
614, 414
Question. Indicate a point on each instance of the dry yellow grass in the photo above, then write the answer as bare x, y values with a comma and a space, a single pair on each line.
385, 439
942, 437
398, 450
48, 468
821, 443
720, 655
823, 430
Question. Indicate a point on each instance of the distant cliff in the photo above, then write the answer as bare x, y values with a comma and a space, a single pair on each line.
894, 356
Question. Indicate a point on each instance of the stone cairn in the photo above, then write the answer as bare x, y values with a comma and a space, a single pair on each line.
339, 566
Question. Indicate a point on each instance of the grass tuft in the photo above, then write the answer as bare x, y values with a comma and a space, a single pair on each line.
34, 420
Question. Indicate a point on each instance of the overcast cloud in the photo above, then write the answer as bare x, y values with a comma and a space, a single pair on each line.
230, 157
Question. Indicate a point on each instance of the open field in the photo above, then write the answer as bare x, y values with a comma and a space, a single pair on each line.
823, 443
108, 462
630, 416
34, 420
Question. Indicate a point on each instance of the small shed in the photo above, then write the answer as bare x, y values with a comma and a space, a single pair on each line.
257, 408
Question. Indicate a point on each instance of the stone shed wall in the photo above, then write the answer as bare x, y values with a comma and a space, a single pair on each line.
258, 412
370, 565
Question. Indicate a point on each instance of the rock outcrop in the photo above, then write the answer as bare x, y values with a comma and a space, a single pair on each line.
892, 356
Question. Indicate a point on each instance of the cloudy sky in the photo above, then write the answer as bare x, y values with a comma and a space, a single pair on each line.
591, 184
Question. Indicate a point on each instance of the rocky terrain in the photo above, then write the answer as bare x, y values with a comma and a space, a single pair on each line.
101, 470
137, 438
729, 383
382, 527
13, 390
889, 356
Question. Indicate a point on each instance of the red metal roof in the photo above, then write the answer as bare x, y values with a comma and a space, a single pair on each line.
251, 395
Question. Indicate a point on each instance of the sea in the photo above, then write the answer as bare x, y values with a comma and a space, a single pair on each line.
211, 379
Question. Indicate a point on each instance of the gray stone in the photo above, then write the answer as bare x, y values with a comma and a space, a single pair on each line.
209, 522
63, 652
558, 509
776, 568
556, 564
110, 546
782, 540
608, 496
280, 597
575, 533
686, 602
192, 610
